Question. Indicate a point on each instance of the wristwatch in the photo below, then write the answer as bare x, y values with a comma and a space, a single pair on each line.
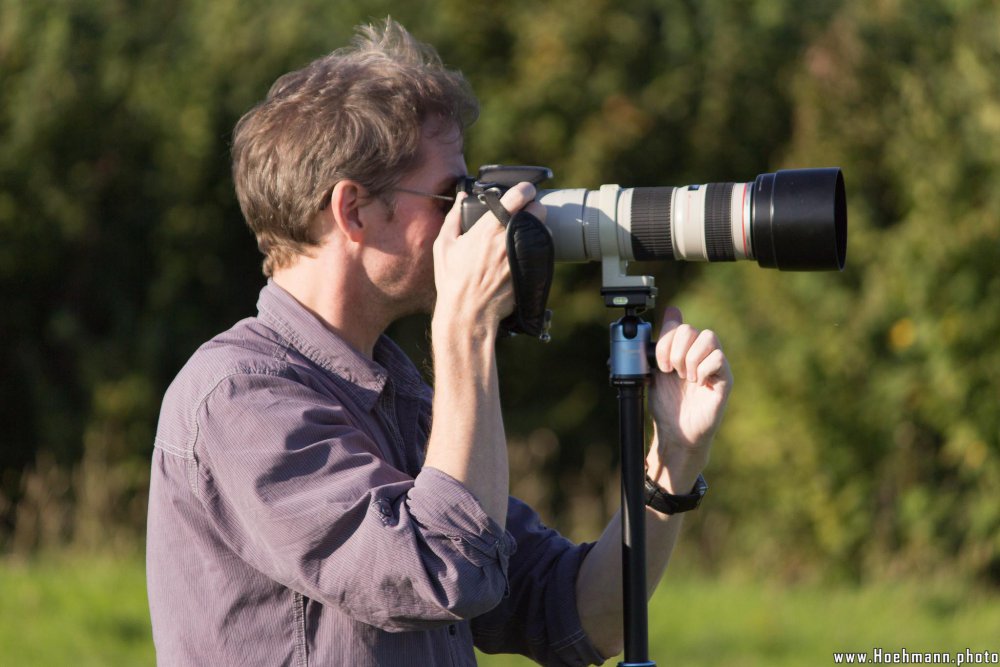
669, 503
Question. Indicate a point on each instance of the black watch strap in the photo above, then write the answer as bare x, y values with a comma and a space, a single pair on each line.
669, 503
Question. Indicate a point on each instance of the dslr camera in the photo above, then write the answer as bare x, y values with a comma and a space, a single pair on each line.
791, 220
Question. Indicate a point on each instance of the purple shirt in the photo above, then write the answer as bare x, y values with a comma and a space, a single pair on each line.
291, 521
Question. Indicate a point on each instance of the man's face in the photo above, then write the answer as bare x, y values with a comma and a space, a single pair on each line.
404, 270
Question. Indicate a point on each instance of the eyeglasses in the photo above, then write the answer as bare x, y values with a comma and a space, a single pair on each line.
450, 199
445, 201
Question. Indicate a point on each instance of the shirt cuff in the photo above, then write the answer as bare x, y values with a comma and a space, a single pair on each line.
445, 506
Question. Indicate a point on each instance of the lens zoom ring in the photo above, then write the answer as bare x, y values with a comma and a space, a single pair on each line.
718, 222
651, 233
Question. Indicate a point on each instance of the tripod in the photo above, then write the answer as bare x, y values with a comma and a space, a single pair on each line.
630, 373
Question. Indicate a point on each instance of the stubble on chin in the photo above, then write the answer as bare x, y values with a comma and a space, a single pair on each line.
421, 302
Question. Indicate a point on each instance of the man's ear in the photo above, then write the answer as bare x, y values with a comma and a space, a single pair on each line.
344, 209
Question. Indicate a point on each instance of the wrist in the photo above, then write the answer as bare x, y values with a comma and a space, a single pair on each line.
464, 362
455, 339
677, 471
454, 328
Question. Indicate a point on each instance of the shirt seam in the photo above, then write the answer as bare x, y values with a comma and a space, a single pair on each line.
299, 620
196, 426
171, 449
570, 640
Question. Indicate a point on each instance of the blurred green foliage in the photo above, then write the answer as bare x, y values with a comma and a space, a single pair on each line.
863, 437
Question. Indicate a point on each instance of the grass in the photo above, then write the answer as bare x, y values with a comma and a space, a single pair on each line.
74, 611
731, 622
92, 611
744, 623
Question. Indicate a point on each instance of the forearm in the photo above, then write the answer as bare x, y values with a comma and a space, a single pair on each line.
467, 439
599, 584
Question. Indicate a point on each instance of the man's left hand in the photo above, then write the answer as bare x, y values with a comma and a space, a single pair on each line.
688, 398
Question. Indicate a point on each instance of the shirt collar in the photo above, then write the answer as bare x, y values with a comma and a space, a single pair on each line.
367, 378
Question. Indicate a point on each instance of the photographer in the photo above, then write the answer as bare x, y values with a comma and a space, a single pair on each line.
312, 501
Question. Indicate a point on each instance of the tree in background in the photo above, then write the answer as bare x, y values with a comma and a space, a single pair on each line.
122, 247
869, 439
861, 432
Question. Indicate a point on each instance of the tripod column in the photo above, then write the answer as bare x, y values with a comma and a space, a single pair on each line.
630, 337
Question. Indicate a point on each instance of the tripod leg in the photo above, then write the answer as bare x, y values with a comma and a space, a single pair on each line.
629, 373
630, 401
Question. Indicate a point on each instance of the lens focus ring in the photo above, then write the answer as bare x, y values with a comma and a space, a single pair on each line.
651, 228
718, 222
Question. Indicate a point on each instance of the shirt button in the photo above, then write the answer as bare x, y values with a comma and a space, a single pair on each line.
452, 630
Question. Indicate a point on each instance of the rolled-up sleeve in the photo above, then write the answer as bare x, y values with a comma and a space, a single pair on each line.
301, 493
539, 618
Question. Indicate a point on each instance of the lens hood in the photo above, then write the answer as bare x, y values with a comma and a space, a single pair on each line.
800, 220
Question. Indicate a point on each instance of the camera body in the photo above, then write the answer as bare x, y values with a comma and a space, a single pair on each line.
498, 179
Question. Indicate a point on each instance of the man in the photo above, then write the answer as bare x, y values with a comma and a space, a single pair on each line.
305, 508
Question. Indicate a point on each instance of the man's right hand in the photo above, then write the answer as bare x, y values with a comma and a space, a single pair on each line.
471, 271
